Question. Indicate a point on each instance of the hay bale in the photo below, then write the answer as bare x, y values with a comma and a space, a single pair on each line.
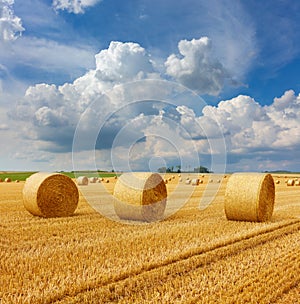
211, 181
200, 181
297, 183
290, 182
195, 181
7, 180
277, 182
82, 181
250, 197
107, 181
93, 180
140, 196
180, 179
179, 175
218, 181
166, 181
188, 182
173, 176
17, 181
50, 195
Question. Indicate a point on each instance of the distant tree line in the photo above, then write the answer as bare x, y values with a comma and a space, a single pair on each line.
177, 169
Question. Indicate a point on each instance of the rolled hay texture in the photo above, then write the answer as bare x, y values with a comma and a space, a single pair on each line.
290, 182
50, 195
166, 181
188, 182
277, 181
249, 197
82, 181
297, 183
7, 180
140, 196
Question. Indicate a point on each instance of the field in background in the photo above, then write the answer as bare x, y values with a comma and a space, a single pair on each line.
193, 256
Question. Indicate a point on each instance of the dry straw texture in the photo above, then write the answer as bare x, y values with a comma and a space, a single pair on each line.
93, 180
290, 182
50, 195
82, 181
7, 180
250, 197
297, 183
140, 196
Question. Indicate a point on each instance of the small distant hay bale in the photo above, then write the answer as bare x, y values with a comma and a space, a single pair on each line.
17, 181
173, 176
170, 179
211, 181
290, 182
82, 181
201, 181
93, 180
140, 196
180, 179
250, 197
188, 182
187, 178
107, 181
277, 182
7, 180
50, 195
218, 181
195, 181
297, 183
179, 175
286, 181
166, 181
116, 177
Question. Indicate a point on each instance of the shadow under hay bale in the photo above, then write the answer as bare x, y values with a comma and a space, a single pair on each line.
250, 197
50, 195
140, 196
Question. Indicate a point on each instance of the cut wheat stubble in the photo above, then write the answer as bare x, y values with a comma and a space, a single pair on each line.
250, 197
50, 195
140, 197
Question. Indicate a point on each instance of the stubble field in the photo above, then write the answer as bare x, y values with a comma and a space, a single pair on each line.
195, 255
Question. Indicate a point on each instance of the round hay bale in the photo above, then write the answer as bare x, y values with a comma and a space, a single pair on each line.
290, 182
7, 180
173, 176
188, 182
166, 181
82, 181
50, 195
218, 181
140, 196
250, 197
107, 181
277, 182
17, 181
92, 180
200, 181
179, 175
297, 183
116, 177
211, 181
195, 181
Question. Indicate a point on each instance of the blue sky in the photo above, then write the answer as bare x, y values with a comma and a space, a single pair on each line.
237, 61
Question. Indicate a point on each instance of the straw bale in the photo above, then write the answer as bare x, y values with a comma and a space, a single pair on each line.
250, 197
50, 195
140, 196
277, 181
195, 181
7, 180
188, 182
290, 182
82, 181
297, 183
93, 180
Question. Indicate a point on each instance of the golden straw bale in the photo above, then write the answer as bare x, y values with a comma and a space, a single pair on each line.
195, 181
297, 183
82, 181
50, 195
250, 197
188, 182
201, 181
17, 181
290, 182
7, 180
166, 181
92, 180
140, 196
277, 181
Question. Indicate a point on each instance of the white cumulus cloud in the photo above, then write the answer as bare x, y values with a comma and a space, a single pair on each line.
196, 67
10, 25
74, 6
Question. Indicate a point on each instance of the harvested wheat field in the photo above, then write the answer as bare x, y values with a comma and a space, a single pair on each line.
195, 255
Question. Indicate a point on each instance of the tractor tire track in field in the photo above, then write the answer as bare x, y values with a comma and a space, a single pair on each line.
156, 274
